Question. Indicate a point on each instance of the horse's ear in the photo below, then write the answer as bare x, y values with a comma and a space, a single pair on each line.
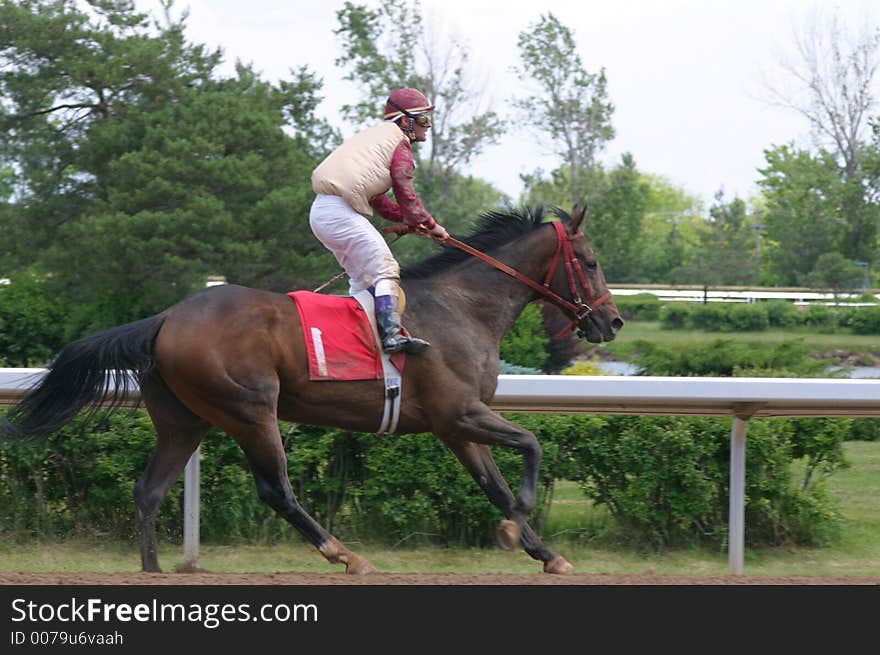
577, 216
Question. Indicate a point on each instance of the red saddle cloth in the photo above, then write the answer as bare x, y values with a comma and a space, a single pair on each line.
339, 338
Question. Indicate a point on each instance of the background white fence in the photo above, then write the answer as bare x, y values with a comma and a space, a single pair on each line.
740, 398
796, 295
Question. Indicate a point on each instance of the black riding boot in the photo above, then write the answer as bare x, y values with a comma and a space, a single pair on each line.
388, 321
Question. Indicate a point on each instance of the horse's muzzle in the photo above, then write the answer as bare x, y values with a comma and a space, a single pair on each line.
597, 330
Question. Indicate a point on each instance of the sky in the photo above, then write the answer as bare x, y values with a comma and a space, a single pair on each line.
686, 77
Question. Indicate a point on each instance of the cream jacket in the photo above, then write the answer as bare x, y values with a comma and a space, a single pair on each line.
360, 168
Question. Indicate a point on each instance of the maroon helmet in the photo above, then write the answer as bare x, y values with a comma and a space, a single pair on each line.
406, 101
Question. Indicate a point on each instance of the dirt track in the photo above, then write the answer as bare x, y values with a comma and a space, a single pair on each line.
323, 579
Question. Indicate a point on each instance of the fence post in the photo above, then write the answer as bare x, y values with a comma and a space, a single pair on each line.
736, 519
191, 511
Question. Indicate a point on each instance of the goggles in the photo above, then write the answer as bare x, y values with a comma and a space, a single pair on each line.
422, 120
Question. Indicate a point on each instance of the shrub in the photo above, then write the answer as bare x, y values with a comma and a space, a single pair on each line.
711, 317
675, 316
664, 480
80, 481
748, 317
525, 344
414, 489
562, 345
726, 357
820, 316
866, 320
845, 315
781, 313
640, 307
864, 429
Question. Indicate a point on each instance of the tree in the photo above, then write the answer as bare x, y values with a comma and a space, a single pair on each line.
65, 70
387, 48
613, 224
666, 230
802, 215
831, 83
6, 177
568, 104
31, 322
6, 208
642, 226
835, 272
723, 254
214, 187
140, 172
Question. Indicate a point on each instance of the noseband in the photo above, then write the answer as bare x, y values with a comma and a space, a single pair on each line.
577, 309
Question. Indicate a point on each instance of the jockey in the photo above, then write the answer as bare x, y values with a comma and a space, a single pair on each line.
352, 182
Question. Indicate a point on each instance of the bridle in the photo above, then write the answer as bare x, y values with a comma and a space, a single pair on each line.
577, 309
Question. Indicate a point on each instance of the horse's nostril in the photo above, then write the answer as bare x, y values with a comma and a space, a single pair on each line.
616, 324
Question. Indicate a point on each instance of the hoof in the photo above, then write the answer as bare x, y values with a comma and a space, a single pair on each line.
358, 566
336, 553
558, 566
508, 534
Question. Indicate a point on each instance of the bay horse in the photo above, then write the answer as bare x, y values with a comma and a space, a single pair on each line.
235, 358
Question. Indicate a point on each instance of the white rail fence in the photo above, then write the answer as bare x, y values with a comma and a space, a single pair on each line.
798, 296
740, 398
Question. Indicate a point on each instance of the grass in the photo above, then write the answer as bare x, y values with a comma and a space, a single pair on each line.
572, 519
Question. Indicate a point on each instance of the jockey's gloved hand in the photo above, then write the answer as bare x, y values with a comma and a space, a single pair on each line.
438, 233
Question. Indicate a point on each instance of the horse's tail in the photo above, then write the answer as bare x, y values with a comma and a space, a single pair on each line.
95, 369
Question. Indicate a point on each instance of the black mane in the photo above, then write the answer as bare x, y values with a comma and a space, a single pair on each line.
493, 230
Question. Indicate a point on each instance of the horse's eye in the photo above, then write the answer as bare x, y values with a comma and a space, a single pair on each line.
592, 265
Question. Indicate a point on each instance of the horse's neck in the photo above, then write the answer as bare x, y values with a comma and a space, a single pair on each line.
490, 298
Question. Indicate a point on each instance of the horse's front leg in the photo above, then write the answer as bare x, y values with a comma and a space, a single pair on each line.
478, 460
481, 425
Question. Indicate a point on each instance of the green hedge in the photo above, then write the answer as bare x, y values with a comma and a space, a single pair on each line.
782, 313
640, 307
726, 358
865, 321
664, 481
745, 317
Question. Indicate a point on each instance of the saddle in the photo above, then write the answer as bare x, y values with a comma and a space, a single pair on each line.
343, 344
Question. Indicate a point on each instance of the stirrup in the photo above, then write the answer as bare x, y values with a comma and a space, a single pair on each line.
408, 345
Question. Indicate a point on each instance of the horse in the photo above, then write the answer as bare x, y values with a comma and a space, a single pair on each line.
235, 358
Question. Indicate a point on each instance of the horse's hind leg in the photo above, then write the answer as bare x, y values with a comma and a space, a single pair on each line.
178, 434
263, 447
478, 461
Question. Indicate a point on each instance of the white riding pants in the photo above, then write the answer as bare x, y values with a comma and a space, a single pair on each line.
358, 246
